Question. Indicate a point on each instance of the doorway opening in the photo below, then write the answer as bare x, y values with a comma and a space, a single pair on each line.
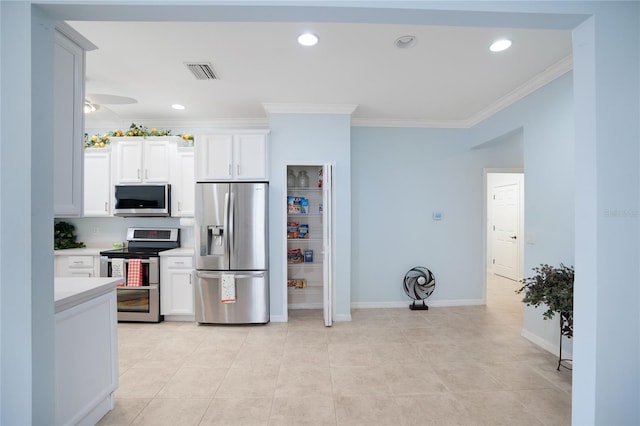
309, 264
504, 212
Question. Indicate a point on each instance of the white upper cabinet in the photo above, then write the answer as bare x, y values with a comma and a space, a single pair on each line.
232, 157
250, 157
97, 182
183, 184
142, 160
68, 120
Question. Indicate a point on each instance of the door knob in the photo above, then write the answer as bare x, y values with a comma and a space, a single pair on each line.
514, 237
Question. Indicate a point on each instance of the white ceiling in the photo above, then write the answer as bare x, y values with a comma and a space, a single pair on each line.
449, 78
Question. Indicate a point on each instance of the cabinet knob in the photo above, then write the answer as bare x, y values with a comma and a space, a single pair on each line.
238, 169
146, 173
229, 169
106, 206
138, 173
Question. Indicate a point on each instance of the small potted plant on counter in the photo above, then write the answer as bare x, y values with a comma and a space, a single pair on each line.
64, 237
552, 286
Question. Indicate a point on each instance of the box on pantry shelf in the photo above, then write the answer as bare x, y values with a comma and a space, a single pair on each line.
297, 283
293, 229
308, 256
297, 205
294, 256
303, 231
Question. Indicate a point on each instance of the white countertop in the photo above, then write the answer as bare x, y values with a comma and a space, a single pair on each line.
72, 291
180, 251
85, 251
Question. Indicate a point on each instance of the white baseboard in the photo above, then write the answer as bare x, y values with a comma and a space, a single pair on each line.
277, 318
342, 318
544, 344
433, 303
189, 318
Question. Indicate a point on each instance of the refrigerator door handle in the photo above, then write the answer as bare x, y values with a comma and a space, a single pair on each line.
231, 201
227, 227
206, 275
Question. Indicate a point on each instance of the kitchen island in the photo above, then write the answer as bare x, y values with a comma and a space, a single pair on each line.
86, 349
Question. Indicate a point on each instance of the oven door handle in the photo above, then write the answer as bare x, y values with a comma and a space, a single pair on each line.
139, 287
109, 259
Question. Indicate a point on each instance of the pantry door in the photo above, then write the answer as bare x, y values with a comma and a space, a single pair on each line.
327, 237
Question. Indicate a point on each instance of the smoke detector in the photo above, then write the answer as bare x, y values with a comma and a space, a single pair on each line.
405, 42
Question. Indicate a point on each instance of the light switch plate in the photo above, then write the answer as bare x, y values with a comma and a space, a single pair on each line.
436, 215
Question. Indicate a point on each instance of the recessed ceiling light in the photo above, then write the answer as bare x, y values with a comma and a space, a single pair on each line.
500, 45
308, 39
177, 106
405, 42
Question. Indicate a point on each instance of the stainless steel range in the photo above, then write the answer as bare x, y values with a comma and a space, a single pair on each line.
139, 266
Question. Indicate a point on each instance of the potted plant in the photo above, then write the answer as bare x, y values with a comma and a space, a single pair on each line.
64, 236
552, 286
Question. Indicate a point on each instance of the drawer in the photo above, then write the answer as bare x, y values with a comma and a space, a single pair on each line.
80, 262
182, 262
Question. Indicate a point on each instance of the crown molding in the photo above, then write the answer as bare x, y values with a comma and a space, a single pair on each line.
286, 108
401, 122
554, 71
74, 35
199, 125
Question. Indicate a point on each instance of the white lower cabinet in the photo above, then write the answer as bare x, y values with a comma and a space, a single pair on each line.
86, 360
76, 266
176, 287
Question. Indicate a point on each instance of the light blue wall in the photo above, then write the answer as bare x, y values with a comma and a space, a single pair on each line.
607, 106
547, 120
400, 176
317, 138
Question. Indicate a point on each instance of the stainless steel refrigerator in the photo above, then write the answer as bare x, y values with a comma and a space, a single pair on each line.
232, 262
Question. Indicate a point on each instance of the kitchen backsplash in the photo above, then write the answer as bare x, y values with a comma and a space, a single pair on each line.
104, 231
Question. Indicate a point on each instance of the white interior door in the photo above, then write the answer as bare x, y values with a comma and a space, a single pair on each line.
327, 237
505, 238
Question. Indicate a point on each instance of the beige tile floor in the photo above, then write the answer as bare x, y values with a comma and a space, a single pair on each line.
446, 366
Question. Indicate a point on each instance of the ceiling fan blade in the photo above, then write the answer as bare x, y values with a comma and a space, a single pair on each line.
103, 117
97, 98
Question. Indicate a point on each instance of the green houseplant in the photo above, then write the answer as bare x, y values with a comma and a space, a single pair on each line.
64, 236
553, 287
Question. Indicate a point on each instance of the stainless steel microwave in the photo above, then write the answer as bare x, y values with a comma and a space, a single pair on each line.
142, 200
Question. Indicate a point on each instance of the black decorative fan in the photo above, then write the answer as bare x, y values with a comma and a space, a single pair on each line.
419, 283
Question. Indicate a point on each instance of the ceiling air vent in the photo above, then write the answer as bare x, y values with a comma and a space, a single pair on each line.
202, 70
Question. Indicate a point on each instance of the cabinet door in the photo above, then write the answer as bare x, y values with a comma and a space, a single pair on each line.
97, 182
214, 157
183, 185
156, 161
129, 162
68, 124
179, 293
250, 157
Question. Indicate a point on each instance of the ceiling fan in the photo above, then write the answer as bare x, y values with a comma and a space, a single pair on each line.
94, 102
